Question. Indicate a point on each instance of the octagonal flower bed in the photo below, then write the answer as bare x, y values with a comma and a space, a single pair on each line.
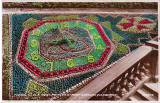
55, 49
49, 37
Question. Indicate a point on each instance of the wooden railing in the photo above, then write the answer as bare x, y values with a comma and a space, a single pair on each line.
154, 44
114, 83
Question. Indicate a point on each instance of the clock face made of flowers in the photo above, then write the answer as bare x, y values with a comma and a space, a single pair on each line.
55, 49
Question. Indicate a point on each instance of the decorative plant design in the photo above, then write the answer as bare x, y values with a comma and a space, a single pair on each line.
136, 25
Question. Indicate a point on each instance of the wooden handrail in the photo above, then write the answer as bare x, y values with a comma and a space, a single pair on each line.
153, 42
112, 74
154, 65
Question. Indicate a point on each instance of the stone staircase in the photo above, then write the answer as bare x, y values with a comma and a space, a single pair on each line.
148, 92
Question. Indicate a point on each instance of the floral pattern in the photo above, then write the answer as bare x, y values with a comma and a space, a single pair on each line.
136, 25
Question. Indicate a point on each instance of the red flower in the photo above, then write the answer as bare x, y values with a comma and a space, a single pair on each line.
137, 23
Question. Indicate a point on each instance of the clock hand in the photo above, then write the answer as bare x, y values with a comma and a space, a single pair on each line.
63, 41
70, 43
58, 42
68, 40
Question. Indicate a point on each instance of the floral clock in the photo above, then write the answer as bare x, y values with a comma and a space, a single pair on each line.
56, 49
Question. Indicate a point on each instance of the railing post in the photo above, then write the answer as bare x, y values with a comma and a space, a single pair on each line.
154, 65
154, 58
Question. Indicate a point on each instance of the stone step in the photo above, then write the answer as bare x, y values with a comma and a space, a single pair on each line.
136, 87
140, 96
152, 87
134, 98
146, 94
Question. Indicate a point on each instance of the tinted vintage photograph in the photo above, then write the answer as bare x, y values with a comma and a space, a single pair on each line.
80, 51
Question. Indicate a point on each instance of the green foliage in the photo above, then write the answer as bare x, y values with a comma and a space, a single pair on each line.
133, 30
55, 25
144, 30
72, 24
124, 21
58, 42
92, 18
60, 17
80, 61
81, 24
100, 42
30, 22
43, 28
122, 49
37, 32
51, 65
48, 26
116, 36
64, 25
138, 19
151, 25
107, 24
70, 63
35, 59
120, 27
95, 36
91, 59
100, 47
34, 43
34, 55
89, 27
35, 88
61, 64
97, 54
